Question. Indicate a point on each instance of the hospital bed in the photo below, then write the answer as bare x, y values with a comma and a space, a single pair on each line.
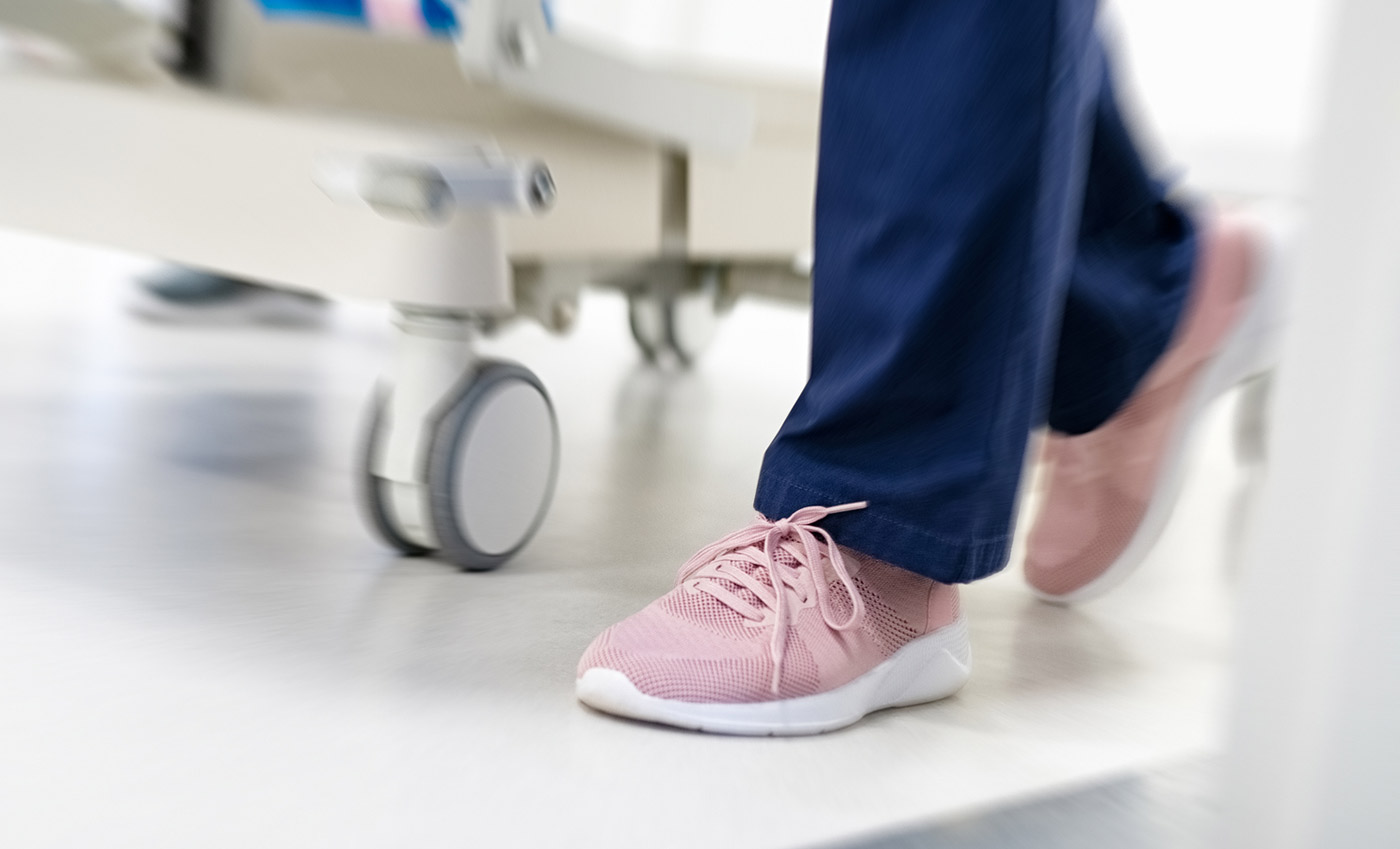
468, 181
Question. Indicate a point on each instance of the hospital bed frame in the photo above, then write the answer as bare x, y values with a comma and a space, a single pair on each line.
425, 174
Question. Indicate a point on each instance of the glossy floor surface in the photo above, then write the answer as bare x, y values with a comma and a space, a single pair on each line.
201, 646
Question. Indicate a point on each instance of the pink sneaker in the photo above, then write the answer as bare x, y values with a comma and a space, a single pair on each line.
776, 630
1111, 490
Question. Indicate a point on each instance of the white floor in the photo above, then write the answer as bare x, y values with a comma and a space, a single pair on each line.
201, 646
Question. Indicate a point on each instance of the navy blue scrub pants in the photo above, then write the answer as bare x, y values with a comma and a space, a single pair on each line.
991, 255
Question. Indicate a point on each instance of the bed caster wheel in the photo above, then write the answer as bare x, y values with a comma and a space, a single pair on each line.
492, 467
675, 325
492, 459
375, 494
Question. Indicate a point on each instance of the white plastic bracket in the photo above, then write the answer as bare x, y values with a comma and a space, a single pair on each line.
433, 355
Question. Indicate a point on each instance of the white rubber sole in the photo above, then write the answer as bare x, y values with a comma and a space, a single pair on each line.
1250, 350
926, 669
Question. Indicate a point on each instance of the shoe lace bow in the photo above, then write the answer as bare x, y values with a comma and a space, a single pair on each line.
719, 566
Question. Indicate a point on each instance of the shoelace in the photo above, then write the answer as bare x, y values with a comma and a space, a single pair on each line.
714, 566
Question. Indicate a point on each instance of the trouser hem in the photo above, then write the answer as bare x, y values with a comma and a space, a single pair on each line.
946, 557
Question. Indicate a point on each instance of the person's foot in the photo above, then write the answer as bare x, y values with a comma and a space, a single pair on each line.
776, 630
1111, 491
180, 295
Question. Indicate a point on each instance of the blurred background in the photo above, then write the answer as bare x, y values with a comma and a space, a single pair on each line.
245, 257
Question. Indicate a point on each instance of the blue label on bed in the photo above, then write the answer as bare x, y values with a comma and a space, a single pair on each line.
424, 16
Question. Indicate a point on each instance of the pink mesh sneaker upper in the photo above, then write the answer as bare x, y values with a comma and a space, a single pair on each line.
1100, 483
773, 611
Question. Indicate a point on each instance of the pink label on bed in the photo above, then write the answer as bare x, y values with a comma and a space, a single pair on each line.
404, 16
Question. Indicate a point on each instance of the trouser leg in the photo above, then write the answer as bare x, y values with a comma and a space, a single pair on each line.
954, 144
1133, 262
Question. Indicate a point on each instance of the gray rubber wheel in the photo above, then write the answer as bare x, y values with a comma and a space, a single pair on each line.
493, 465
646, 318
692, 320
674, 326
371, 489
